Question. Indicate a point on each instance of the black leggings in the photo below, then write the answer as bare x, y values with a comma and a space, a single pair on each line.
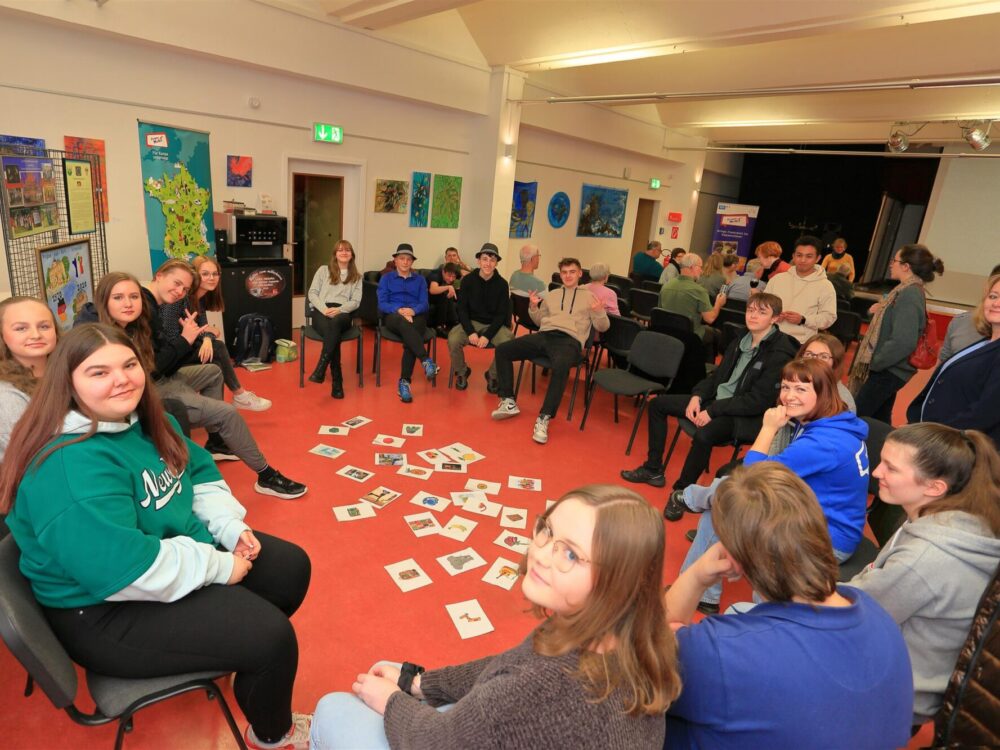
242, 628
332, 330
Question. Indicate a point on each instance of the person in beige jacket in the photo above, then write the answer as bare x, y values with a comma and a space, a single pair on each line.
808, 299
566, 319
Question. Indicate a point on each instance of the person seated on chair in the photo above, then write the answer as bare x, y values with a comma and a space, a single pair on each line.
646, 264
524, 281
730, 401
807, 296
335, 293
121, 302
827, 450
483, 315
685, 296
932, 574
135, 546
442, 296
843, 288
769, 254
451, 255
565, 320
720, 280
962, 331
672, 268
749, 283
402, 299
815, 664
839, 258
596, 674
598, 277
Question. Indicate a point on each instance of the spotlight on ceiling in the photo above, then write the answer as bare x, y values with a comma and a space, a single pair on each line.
898, 141
977, 135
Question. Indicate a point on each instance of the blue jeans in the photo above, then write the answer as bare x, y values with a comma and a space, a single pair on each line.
342, 721
699, 498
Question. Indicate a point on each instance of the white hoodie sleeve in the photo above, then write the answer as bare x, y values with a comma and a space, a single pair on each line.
181, 566
221, 513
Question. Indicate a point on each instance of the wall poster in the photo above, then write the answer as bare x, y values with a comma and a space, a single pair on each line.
65, 276
76, 145
30, 186
79, 196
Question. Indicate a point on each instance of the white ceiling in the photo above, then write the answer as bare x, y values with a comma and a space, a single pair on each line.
607, 47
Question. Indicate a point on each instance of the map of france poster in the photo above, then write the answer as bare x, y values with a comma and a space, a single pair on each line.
177, 192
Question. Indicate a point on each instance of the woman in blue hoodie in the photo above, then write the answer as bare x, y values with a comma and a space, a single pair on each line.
827, 452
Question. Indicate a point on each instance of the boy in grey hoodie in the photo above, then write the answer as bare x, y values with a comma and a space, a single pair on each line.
808, 299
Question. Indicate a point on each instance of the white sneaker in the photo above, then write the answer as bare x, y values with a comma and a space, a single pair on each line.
541, 432
251, 401
506, 409
296, 739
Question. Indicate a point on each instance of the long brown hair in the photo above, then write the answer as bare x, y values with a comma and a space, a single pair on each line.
55, 398
824, 383
965, 460
979, 316
771, 524
11, 370
625, 603
139, 330
209, 300
353, 275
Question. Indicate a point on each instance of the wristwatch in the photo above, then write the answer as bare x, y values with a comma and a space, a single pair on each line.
406, 674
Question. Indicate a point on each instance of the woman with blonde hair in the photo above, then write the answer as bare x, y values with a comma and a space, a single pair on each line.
598, 672
335, 293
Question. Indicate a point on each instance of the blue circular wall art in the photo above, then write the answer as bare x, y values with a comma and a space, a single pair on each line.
558, 209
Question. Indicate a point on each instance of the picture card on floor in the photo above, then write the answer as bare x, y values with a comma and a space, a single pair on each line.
408, 575
430, 501
334, 429
524, 483
418, 472
515, 542
458, 528
469, 619
483, 507
393, 442
327, 451
353, 472
461, 498
502, 573
353, 512
413, 430
451, 467
461, 561
357, 421
490, 488
432, 456
514, 518
462, 452
380, 496
390, 459
422, 524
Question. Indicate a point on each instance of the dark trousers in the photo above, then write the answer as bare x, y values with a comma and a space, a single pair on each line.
412, 335
563, 352
220, 356
717, 432
242, 628
443, 313
332, 330
878, 395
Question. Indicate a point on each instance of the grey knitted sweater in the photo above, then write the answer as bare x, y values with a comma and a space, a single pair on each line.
517, 699
13, 404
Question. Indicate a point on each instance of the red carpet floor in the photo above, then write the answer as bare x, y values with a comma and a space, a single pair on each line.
354, 614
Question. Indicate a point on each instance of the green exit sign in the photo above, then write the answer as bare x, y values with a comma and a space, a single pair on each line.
324, 132
654, 183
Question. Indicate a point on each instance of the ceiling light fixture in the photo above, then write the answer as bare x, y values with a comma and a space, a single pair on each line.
898, 142
977, 134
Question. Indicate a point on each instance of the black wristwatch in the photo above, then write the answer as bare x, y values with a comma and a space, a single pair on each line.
406, 674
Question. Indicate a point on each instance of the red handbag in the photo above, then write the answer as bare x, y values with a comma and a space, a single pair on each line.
925, 356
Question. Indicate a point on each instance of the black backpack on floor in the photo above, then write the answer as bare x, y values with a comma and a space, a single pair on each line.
254, 339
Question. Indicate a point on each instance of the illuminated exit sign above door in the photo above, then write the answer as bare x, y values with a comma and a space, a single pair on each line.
324, 132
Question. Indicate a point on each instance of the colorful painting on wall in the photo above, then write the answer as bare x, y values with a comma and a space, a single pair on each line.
602, 211
420, 199
64, 273
558, 210
447, 201
22, 145
522, 208
31, 195
391, 196
74, 144
239, 171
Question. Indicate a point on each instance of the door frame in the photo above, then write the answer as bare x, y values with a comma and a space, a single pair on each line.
354, 173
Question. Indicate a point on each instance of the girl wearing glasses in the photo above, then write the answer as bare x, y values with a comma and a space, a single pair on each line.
827, 349
598, 672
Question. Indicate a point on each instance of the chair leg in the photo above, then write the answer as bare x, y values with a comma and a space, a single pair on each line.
673, 443
377, 360
517, 384
616, 408
635, 427
572, 398
434, 352
302, 357
586, 408
532, 378
214, 692
361, 360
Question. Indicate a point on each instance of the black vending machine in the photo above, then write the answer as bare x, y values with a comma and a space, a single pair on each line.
256, 278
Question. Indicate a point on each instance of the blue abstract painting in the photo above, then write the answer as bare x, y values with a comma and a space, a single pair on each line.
522, 208
420, 199
558, 209
602, 211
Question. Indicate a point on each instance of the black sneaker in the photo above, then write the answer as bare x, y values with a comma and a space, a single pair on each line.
708, 608
675, 508
280, 486
492, 384
220, 451
642, 474
462, 381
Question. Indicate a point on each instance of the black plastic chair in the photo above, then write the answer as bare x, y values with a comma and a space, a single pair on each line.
624, 308
642, 303
689, 428
652, 286
372, 276
730, 331
846, 327
623, 283
519, 306
670, 323
616, 341
739, 305
27, 634
383, 333
655, 354
860, 307
545, 364
306, 331
554, 285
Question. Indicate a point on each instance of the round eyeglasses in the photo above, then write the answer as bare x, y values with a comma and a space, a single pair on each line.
564, 557
826, 357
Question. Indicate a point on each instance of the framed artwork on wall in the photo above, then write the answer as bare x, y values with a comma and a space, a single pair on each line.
64, 275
